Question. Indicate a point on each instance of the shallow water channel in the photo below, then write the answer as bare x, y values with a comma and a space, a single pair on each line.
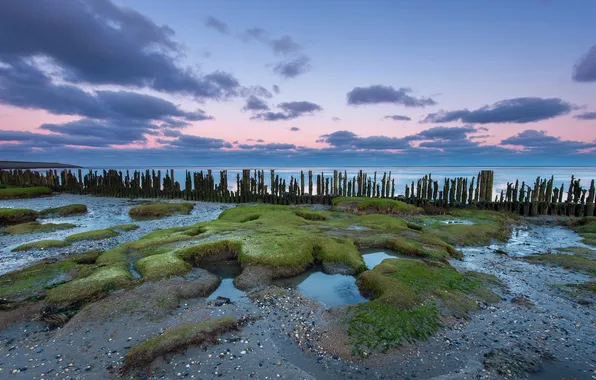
227, 271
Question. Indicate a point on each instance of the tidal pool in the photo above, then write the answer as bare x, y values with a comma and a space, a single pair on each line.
227, 271
330, 289
374, 256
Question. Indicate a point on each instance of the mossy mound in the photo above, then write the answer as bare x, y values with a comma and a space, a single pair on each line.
125, 227
577, 262
409, 298
586, 228
103, 280
482, 227
36, 228
24, 192
73, 209
160, 209
163, 265
363, 205
589, 286
41, 244
34, 280
92, 235
16, 215
177, 338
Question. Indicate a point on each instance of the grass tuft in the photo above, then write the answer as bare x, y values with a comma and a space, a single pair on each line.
73, 209
160, 209
91, 235
24, 192
41, 244
17, 215
36, 228
376, 205
176, 339
576, 262
125, 227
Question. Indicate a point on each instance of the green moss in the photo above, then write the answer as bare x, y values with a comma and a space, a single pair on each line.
36, 228
176, 339
376, 205
33, 280
223, 248
92, 235
125, 227
163, 265
409, 298
24, 192
585, 227
160, 209
573, 262
311, 215
41, 244
589, 286
103, 280
339, 250
487, 226
73, 209
17, 215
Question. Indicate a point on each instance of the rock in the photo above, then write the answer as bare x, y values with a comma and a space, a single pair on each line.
220, 301
523, 301
517, 360
337, 268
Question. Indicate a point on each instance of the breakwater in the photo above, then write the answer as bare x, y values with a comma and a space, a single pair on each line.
542, 197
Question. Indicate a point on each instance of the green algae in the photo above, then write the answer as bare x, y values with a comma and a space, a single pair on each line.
36, 228
92, 235
375, 205
125, 227
160, 209
67, 210
162, 265
410, 298
576, 262
17, 215
486, 227
24, 192
41, 244
177, 338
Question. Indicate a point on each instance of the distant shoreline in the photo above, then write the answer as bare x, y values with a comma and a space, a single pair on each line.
34, 165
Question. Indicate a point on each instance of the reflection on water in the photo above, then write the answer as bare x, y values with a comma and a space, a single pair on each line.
374, 256
227, 271
330, 289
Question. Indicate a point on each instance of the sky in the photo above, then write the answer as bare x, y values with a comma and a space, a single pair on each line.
296, 83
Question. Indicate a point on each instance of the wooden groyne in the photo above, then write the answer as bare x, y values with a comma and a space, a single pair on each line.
543, 197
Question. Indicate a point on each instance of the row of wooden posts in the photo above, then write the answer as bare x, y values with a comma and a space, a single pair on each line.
540, 198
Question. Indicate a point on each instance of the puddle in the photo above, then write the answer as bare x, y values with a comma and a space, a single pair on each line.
458, 221
374, 256
227, 271
330, 289
531, 240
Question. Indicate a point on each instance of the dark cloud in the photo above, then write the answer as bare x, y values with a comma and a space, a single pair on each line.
97, 42
294, 129
171, 133
538, 140
444, 133
276, 89
336, 119
100, 135
259, 91
293, 68
111, 132
197, 142
518, 110
220, 26
397, 117
272, 146
378, 94
292, 110
349, 140
255, 104
285, 45
586, 116
258, 34
585, 69
260, 141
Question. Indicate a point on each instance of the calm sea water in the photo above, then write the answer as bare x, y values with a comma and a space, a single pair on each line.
402, 175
